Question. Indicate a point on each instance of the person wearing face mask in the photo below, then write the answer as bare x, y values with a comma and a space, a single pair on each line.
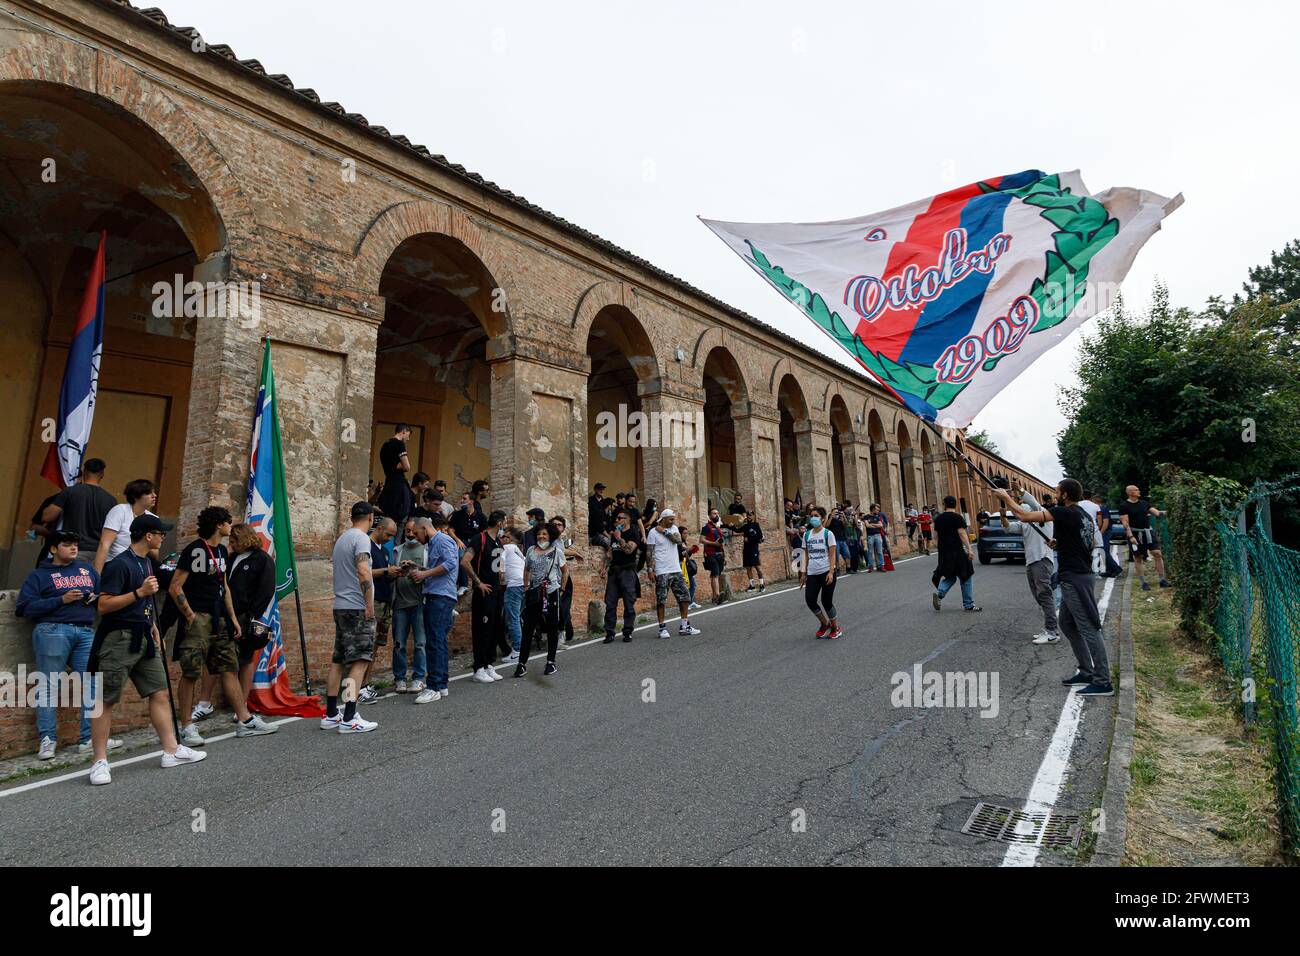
818, 575
545, 575
536, 518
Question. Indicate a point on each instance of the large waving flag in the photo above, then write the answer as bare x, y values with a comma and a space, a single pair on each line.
946, 300
80, 381
267, 512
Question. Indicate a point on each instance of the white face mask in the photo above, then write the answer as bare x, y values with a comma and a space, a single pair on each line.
543, 544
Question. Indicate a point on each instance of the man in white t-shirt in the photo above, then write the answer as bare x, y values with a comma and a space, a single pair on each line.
512, 579
1040, 566
664, 568
1093, 509
141, 499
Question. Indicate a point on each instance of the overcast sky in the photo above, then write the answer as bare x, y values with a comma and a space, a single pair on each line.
632, 119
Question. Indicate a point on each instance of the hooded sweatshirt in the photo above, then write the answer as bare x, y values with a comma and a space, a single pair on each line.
41, 597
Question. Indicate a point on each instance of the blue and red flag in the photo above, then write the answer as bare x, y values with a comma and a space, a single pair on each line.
267, 512
945, 300
80, 381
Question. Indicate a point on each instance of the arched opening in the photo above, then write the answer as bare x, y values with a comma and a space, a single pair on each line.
74, 165
723, 387
622, 358
841, 449
929, 492
876, 432
431, 369
906, 465
794, 414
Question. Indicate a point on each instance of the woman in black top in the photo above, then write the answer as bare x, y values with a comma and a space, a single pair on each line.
252, 587
753, 536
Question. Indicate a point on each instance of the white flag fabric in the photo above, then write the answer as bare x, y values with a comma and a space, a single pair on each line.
946, 300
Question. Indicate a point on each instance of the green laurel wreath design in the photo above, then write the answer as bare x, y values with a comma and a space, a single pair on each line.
1083, 227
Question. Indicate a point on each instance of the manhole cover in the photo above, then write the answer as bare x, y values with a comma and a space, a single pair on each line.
1008, 825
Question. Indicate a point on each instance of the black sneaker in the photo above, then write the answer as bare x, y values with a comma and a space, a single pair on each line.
521, 670
972, 610
1078, 680
550, 668
1165, 584
627, 638
762, 588
1145, 586
1096, 690
609, 639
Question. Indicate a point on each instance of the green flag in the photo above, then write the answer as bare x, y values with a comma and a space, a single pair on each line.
268, 498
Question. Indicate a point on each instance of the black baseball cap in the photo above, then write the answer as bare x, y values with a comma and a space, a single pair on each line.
147, 524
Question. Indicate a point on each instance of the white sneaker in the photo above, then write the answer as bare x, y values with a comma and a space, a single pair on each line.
88, 747
331, 721
687, 629
427, 697
693, 606
99, 774
416, 687
481, 676
400, 687
511, 658
444, 692
1045, 638
182, 755
663, 633
357, 725
256, 727
47, 749
492, 672
191, 737
202, 710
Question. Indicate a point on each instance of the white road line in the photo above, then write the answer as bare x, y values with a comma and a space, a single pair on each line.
139, 758
1056, 762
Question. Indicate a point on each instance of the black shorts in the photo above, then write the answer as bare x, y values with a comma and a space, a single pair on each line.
713, 563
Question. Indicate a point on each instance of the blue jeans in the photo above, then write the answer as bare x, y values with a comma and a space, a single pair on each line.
514, 604
876, 548
967, 590
437, 625
409, 620
843, 548
55, 646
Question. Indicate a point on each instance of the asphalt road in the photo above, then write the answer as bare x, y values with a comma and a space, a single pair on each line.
761, 745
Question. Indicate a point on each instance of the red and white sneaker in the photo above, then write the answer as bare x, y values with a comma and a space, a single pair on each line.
823, 631
357, 725
331, 721
836, 633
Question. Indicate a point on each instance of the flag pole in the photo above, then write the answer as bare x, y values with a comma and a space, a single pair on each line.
302, 640
954, 453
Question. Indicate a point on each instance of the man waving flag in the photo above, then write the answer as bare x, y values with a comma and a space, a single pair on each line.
944, 301
80, 381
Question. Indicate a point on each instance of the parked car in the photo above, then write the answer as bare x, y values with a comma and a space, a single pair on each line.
995, 541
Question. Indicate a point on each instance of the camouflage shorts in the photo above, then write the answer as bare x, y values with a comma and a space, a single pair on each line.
383, 622
203, 645
118, 663
354, 637
676, 582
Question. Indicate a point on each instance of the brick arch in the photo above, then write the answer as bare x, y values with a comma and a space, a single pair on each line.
855, 405
419, 217
742, 391
40, 64
782, 368
597, 297
717, 338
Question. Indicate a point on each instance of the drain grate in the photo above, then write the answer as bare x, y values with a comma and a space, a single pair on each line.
1009, 825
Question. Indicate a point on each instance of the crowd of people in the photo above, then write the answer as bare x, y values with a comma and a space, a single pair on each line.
102, 599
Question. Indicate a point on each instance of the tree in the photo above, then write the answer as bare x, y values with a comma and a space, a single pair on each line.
1279, 282
981, 437
1215, 392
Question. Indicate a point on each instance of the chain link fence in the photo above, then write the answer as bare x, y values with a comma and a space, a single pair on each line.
1256, 622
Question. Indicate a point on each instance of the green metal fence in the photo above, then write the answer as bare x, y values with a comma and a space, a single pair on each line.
1256, 622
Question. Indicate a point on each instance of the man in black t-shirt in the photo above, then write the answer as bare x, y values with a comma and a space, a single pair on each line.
211, 629
1079, 617
622, 583
596, 516
738, 506
82, 509
1135, 511
127, 645
956, 560
481, 564
396, 500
